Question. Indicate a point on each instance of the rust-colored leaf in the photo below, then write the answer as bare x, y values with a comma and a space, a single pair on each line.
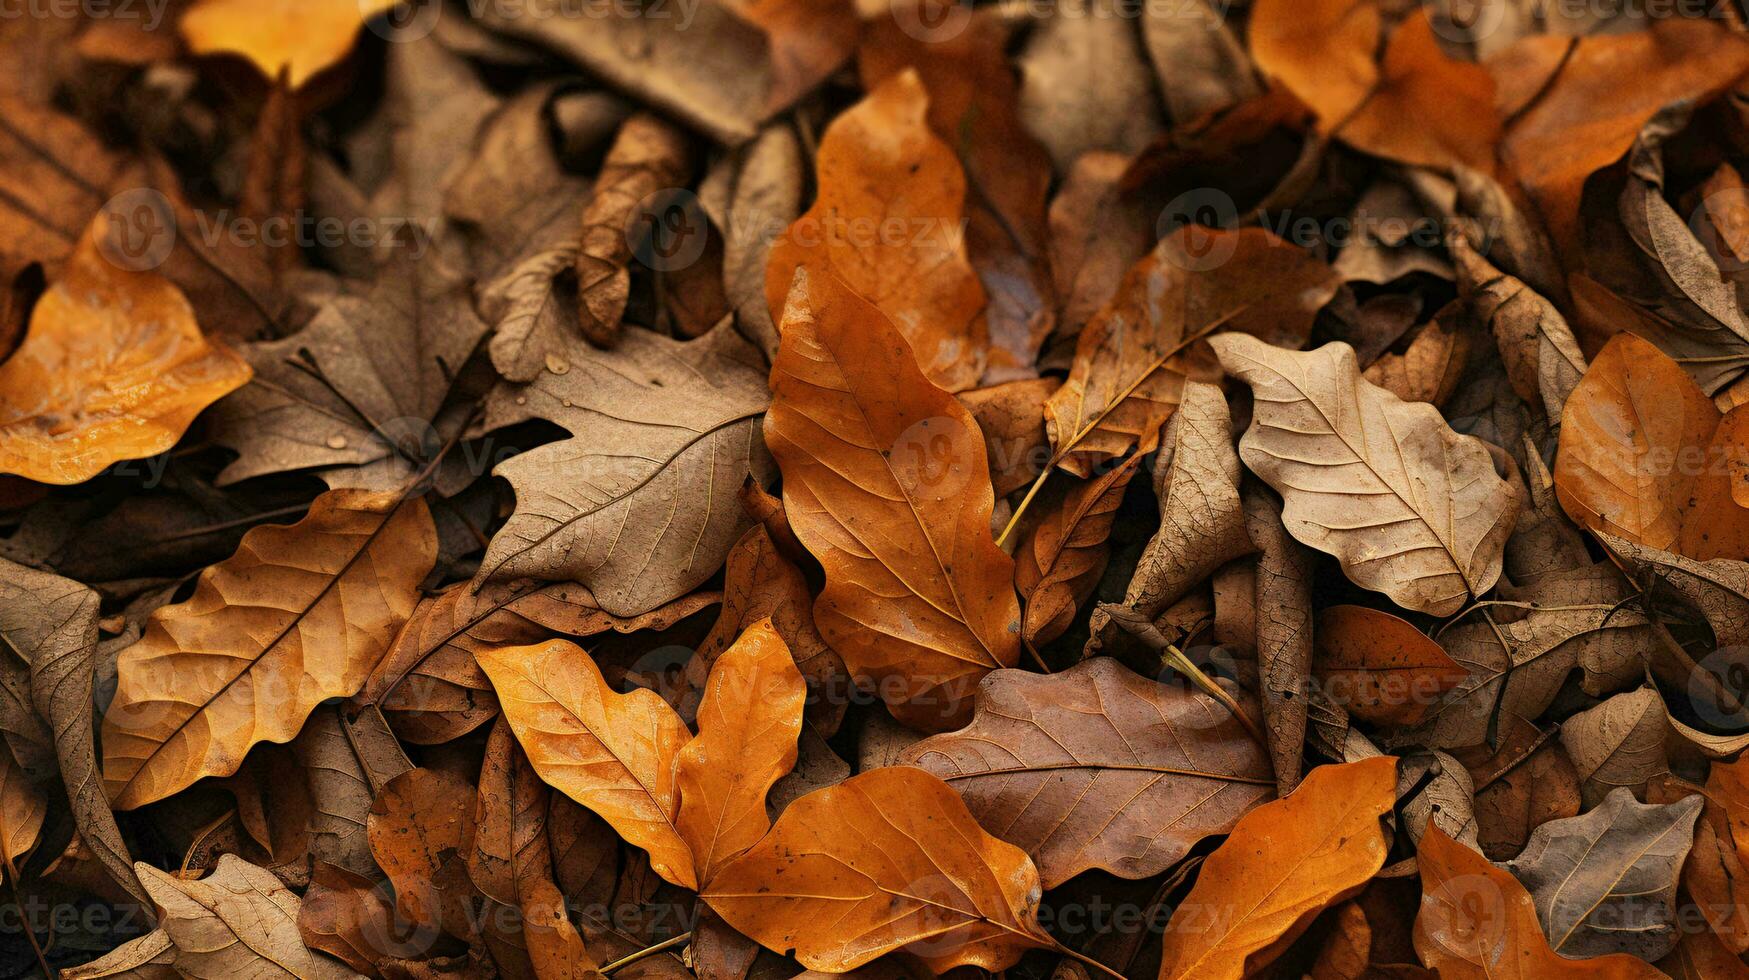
1379, 666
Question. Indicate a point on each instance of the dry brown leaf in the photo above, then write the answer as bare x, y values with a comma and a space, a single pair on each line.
421, 831
299, 37
1537, 348
885, 483
1012, 417
613, 753
22, 809
1250, 280
1249, 903
347, 762
886, 861
887, 222
149, 957
1282, 592
298, 615
1430, 368
1097, 232
1409, 507
1713, 877
1427, 109
1478, 923
748, 724
649, 157
1701, 955
239, 921
1379, 666
1605, 881
1322, 51
1061, 561
1202, 521
1099, 767
1618, 743
1639, 457
348, 916
1520, 786
114, 367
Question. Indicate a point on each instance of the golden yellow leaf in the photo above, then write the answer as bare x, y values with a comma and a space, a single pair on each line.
300, 614
114, 367
748, 724
304, 36
613, 753
22, 809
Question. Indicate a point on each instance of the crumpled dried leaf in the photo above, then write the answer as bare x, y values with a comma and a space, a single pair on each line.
1248, 904
298, 615
610, 752
885, 484
1605, 881
1619, 743
887, 222
1538, 349
1520, 786
1282, 593
1451, 101
885, 861
1717, 589
1099, 767
421, 831
649, 157
1477, 922
1061, 561
239, 921
639, 504
114, 367
1202, 522
748, 724
1012, 417
1408, 506
347, 762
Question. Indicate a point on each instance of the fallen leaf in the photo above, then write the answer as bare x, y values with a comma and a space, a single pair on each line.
1250, 280
150, 957
886, 861
613, 753
1061, 561
1524, 783
1380, 667
1200, 64
1202, 521
649, 158
639, 504
1282, 593
349, 917
237, 921
1605, 881
1408, 506
22, 809
1012, 417
887, 222
347, 762
918, 598
1451, 100
299, 38
1072, 118
1321, 51
421, 831
1538, 349
113, 367
748, 724
1249, 904
1477, 922
1160, 768
298, 615
1619, 743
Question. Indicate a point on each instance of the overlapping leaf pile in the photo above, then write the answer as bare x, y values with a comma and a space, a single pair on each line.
753, 491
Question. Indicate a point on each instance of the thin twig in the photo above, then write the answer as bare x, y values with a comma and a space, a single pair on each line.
649, 951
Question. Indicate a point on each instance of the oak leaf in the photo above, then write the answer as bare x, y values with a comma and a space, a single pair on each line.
113, 367
1605, 881
238, 921
639, 504
298, 615
1283, 864
1478, 923
748, 724
1099, 767
1409, 507
613, 753
887, 222
885, 483
886, 861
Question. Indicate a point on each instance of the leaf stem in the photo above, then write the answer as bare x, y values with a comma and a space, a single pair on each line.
648, 951
1069, 446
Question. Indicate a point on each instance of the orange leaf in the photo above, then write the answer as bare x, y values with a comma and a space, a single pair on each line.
1284, 863
421, 828
1321, 50
611, 752
1477, 921
1639, 456
748, 724
298, 615
1380, 667
886, 861
888, 222
884, 481
1430, 110
302, 36
114, 367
